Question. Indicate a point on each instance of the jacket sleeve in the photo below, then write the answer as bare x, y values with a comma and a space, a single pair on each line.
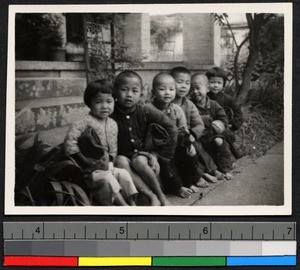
221, 114
196, 122
180, 117
158, 117
114, 140
238, 118
71, 139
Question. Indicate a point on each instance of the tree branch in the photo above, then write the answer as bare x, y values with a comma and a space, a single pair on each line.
230, 29
236, 58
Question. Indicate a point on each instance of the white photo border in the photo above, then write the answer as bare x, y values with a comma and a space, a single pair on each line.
285, 209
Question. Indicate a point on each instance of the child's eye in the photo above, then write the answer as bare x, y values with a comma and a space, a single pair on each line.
179, 81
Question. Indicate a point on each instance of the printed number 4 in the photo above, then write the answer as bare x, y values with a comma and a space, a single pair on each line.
37, 230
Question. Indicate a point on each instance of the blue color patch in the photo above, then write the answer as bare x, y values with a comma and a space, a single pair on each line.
261, 260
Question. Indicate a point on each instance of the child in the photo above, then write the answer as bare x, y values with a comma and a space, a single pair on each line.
195, 124
164, 93
134, 120
104, 185
215, 121
217, 79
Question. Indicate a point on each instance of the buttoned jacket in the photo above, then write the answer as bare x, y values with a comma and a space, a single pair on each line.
133, 124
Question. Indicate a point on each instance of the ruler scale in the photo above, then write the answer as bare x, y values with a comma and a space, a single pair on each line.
149, 243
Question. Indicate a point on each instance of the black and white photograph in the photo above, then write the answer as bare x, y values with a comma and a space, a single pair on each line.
149, 109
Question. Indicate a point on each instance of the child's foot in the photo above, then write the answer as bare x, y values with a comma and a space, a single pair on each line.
228, 176
202, 183
131, 202
184, 192
154, 201
219, 175
193, 188
165, 202
210, 178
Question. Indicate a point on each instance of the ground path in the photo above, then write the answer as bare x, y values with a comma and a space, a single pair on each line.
255, 182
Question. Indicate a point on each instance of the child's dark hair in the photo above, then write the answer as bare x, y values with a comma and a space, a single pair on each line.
217, 72
95, 87
174, 71
126, 74
158, 76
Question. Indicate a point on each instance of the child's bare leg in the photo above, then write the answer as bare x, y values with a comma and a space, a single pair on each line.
201, 183
219, 175
123, 162
119, 200
140, 164
210, 178
184, 192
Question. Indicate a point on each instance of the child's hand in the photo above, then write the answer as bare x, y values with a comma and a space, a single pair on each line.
110, 166
191, 151
192, 138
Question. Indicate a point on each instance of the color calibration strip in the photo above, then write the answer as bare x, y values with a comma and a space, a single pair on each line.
150, 261
149, 244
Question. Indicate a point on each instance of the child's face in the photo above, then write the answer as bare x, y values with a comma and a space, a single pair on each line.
216, 84
199, 89
165, 91
182, 83
129, 93
102, 105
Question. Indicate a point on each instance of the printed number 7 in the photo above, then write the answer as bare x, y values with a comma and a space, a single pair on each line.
289, 230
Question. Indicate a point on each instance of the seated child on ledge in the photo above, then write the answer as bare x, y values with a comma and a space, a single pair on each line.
195, 124
215, 121
133, 121
107, 184
183, 185
217, 79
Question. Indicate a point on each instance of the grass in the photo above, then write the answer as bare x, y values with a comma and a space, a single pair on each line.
261, 130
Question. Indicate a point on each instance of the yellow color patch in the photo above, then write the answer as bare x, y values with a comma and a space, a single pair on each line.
114, 261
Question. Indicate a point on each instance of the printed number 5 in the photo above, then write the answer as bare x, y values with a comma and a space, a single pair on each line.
121, 230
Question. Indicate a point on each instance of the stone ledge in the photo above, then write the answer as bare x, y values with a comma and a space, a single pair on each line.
49, 65
41, 88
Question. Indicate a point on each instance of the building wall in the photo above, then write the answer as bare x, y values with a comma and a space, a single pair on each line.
49, 94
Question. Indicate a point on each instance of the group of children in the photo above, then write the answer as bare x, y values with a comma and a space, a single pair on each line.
178, 141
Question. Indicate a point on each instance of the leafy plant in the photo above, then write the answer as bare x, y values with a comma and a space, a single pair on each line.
34, 30
104, 59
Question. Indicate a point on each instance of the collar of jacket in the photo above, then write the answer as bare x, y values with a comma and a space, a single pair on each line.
167, 109
206, 105
125, 110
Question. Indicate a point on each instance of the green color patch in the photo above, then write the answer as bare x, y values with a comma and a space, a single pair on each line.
188, 261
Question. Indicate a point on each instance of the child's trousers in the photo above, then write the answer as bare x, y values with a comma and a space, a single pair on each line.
108, 183
189, 168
